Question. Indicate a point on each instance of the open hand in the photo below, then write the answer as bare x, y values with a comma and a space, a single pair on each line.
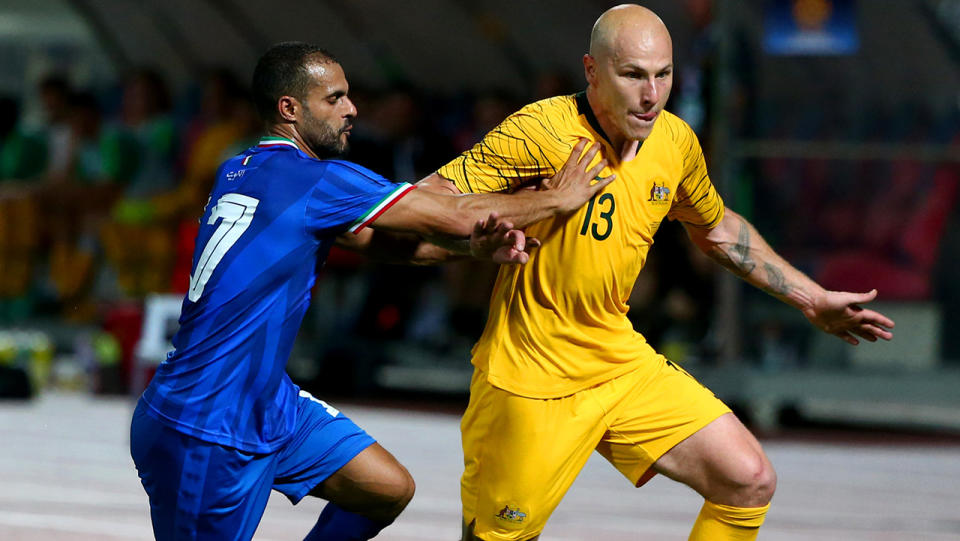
573, 183
839, 313
497, 240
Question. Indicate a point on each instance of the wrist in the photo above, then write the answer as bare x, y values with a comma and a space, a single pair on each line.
809, 301
556, 203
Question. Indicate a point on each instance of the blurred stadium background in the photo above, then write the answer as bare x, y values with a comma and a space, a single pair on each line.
834, 125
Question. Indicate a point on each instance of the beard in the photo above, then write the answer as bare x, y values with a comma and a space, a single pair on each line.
324, 140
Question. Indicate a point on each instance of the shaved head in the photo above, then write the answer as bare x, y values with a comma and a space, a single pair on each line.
622, 25
629, 70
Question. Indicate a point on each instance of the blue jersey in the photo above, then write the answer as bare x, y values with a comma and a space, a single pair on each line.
271, 219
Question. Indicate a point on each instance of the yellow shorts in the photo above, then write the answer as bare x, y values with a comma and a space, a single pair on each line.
522, 454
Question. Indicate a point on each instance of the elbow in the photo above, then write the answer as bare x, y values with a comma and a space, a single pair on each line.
705, 240
712, 246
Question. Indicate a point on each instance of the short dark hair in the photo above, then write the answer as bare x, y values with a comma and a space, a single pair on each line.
282, 71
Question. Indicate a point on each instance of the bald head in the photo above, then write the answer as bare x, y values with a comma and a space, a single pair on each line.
627, 26
629, 72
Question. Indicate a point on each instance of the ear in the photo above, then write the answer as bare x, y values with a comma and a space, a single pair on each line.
288, 108
590, 68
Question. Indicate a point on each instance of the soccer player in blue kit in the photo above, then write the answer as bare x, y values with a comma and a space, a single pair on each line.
221, 423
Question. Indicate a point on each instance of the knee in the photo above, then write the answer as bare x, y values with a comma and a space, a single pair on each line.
398, 490
766, 483
407, 489
757, 482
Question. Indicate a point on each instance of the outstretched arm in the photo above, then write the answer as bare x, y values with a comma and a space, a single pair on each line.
394, 247
491, 239
433, 213
737, 245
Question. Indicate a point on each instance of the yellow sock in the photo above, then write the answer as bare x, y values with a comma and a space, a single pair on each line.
725, 523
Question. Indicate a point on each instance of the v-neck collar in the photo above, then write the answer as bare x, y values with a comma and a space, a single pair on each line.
583, 106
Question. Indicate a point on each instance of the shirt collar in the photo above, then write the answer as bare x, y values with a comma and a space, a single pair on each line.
583, 107
272, 141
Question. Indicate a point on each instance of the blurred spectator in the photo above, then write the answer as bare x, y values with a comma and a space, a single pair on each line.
55, 99
99, 163
219, 90
398, 140
468, 283
227, 124
21, 157
487, 112
145, 112
554, 83
98, 155
137, 185
9, 116
140, 247
696, 72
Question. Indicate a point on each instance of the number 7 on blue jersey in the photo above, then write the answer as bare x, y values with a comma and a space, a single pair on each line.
235, 212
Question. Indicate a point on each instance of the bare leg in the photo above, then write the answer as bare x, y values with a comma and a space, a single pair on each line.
727, 466
724, 463
373, 485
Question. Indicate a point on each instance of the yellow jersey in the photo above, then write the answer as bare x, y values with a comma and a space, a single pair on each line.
558, 324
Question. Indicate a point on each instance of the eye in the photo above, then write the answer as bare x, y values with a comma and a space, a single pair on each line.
663, 74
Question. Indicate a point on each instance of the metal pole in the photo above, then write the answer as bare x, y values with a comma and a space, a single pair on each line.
727, 309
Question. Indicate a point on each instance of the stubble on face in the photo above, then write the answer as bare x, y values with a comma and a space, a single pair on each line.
325, 131
326, 141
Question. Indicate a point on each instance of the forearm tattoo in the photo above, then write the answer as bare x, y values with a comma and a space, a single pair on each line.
736, 258
776, 283
741, 250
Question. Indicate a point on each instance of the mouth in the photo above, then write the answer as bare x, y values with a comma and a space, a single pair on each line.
647, 117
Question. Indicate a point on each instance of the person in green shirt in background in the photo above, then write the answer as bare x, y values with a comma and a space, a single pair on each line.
23, 158
138, 243
101, 162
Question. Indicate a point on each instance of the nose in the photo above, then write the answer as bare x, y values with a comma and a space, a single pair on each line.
648, 92
351, 111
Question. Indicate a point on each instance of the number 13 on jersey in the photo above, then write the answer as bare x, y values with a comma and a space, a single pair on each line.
235, 213
602, 228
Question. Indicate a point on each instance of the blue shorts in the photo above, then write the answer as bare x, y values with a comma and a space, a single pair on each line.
201, 490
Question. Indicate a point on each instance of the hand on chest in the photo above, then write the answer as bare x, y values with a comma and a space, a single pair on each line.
635, 204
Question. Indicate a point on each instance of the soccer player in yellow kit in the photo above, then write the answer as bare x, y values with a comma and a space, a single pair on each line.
559, 370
